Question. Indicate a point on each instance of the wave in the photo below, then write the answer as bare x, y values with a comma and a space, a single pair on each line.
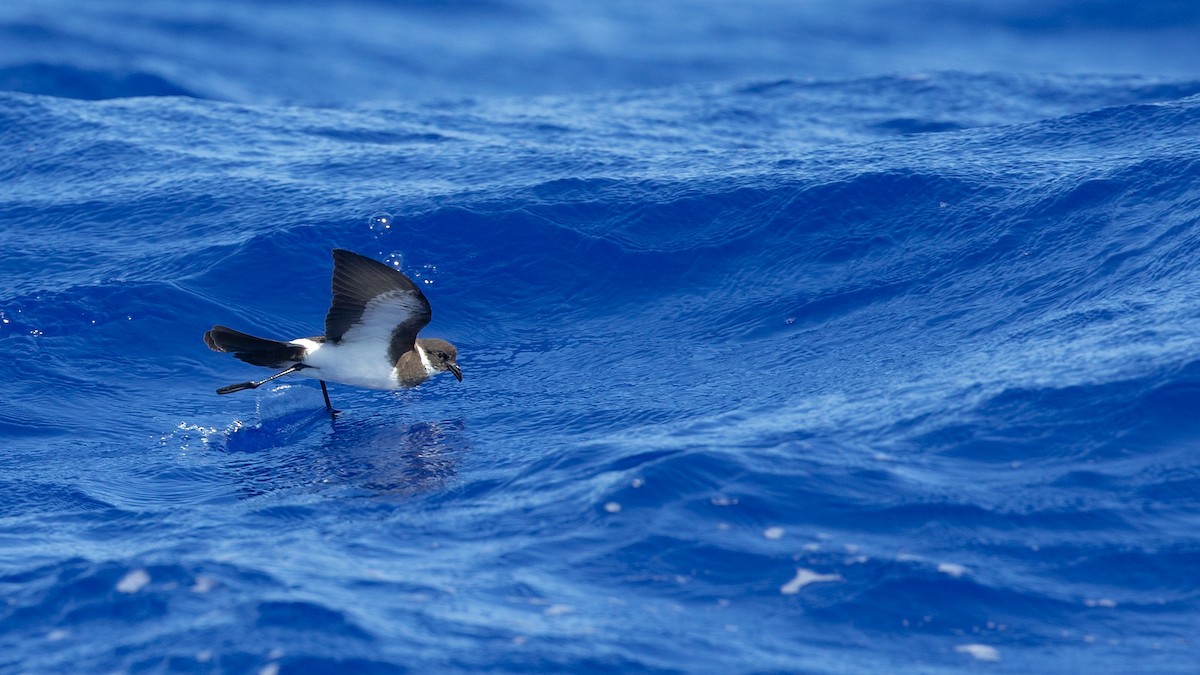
921, 380
50, 79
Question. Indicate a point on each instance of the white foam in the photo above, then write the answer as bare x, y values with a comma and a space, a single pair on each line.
210, 437
134, 581
980, 652
773, 533
805, 577
204, 584
952, 569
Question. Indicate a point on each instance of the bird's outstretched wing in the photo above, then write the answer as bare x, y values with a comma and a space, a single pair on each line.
372, 301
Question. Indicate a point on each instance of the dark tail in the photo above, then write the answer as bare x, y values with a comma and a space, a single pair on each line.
253, 350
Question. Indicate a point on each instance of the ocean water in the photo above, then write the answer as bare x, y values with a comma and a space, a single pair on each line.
852, 337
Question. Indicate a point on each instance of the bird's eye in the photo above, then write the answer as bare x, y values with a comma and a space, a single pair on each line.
442, 356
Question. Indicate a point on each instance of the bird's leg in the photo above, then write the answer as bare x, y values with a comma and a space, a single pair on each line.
255, 385
328, 405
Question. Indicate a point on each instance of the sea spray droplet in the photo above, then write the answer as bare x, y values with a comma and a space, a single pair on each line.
381, 223
394, 260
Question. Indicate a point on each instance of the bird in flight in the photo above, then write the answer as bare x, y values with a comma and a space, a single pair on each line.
370, 335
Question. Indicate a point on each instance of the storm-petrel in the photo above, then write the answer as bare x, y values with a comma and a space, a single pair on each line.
370, 335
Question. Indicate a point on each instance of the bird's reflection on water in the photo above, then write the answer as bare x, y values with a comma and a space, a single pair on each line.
364, 451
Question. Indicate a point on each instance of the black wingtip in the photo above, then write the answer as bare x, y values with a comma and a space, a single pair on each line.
357, 281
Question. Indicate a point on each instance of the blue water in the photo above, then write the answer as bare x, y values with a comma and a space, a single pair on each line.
830, 337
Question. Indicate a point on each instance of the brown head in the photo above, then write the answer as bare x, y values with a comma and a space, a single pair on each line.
443, 357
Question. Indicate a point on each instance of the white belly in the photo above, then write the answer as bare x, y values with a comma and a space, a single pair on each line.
355, 364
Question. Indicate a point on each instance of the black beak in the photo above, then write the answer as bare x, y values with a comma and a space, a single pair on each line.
456, 370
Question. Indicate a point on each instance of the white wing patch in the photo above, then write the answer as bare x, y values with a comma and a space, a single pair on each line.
360, 358
380, 318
